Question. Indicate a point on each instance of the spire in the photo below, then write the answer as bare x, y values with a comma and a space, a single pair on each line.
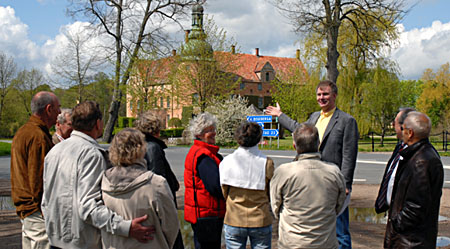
197, 48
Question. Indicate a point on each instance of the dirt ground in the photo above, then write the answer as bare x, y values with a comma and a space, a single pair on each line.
364, 235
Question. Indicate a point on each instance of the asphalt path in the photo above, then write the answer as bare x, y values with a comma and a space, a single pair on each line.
369, 169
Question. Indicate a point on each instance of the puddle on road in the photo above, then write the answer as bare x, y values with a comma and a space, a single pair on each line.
6, 203
442, 241
368, 215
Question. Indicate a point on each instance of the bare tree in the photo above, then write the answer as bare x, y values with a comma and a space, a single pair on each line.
78, 62
133, 25
326, 17
27, 83
7, 74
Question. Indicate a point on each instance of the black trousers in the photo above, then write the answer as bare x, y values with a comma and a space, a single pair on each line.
203, 244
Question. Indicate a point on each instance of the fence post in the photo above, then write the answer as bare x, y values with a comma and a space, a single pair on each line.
373, 143
443, 140
446, 140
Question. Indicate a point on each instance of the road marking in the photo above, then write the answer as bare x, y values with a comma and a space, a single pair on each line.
372, 162
358, 161
446, 181
359, 180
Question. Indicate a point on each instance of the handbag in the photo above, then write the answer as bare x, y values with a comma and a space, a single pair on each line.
209, 229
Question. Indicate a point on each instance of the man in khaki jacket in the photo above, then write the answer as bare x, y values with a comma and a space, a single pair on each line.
306, 195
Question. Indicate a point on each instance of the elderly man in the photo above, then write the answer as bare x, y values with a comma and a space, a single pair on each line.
306, 195
385, 193
338, 134
414, 209
29, 146
72, 205
63, 126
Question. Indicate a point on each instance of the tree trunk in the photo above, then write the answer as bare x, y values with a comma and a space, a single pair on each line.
113, 114
332, 53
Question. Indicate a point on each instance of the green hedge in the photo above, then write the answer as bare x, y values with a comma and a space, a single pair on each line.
175, 122
123, 122
172, 132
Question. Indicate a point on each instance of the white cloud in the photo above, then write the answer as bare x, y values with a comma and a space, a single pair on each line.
254, 24
15, 42
422, 48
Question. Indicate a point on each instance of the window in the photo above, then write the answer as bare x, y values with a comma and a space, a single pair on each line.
242, 86
259, 87
161, 102
260, 102
168, 102
267, 76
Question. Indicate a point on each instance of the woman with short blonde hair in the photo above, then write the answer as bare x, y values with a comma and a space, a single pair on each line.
128, 183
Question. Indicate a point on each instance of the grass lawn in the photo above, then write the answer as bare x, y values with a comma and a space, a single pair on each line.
5, 149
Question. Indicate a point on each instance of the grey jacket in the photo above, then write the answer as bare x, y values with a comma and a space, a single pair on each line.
306, 196
72, 203
340, 141
132, 192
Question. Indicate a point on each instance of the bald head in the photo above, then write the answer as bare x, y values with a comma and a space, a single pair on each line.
45, 105
40, 100
416, 126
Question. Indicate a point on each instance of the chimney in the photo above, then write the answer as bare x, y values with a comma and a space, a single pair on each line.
233, 49
174, 52
186, 36
297, 54
257, 52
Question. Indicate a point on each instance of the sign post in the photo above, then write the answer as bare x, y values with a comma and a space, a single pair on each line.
261, 119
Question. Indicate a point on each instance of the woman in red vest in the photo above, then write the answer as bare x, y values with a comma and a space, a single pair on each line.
204, 205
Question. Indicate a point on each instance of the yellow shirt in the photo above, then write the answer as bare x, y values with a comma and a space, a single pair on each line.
323, 121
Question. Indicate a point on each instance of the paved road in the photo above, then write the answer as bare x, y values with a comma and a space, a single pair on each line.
369, 169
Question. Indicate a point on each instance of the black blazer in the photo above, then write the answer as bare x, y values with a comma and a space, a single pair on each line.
385, 207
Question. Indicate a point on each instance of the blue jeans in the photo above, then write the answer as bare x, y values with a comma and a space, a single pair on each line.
236, 237
342, 231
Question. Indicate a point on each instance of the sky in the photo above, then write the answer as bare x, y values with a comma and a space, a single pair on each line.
31, 32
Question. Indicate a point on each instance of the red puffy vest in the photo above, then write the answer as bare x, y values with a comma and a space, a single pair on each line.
208, 205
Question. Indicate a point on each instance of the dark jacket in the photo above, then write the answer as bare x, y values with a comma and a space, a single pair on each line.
414, 209
385, 207
28, 149
158, 164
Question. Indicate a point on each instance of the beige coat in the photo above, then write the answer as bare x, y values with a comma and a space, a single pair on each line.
306, 196
132, 192
246, 207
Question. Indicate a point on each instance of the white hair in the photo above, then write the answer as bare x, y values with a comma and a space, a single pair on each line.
62, 116
202, 121
420, 123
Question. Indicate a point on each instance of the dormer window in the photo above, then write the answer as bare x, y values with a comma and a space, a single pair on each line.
267, 77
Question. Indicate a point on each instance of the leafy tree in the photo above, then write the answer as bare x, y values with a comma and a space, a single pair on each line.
295, 86
7, 73
435, 98
382, 96
230, 113
134, 26
327, 17
204, 81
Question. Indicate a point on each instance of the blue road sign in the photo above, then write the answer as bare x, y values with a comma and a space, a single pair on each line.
260, 119
270, 133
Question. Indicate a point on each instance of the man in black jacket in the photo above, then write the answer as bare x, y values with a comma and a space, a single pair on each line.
416, 195
387, 183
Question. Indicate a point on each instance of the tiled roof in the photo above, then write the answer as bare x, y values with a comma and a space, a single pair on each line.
247, 65
243, 65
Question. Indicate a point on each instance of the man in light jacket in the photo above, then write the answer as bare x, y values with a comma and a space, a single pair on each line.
306, 195
72, 205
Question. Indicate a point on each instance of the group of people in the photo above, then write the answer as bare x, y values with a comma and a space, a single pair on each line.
70, 192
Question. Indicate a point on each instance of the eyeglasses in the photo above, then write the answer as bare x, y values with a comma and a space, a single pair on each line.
401, 128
